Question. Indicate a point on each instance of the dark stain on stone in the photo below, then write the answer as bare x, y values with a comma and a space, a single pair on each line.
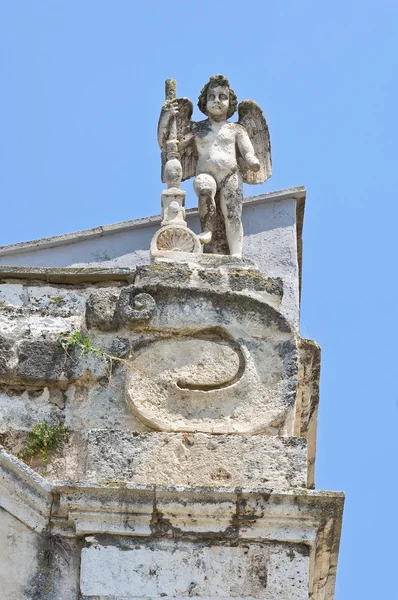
290, 554
250, 279
160, 526
210, 276
6, 353
221, 474
302, 549
53, 554
187, 439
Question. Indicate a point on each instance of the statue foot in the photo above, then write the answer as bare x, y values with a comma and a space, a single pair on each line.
205, 237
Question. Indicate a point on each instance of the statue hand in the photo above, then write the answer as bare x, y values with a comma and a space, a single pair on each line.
254, 163
173, 107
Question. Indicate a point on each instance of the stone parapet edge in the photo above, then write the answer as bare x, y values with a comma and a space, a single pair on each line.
96, 232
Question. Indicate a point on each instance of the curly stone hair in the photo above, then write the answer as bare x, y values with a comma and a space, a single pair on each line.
214, 81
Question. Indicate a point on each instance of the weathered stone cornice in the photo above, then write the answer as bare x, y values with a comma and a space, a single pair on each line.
180, 512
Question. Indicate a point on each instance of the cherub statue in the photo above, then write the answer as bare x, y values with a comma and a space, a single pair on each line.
219, 154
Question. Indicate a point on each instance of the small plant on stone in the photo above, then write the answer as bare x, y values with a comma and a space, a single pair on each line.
44, 439
84, 344
80, 342
57, 300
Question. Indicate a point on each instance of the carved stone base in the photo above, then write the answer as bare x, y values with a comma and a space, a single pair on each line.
172, 240
173, 200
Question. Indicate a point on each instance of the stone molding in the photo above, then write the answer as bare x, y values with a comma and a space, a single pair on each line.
67, 274
24, 494
180, 512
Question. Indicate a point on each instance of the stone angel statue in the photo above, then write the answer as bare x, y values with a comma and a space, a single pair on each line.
220, 154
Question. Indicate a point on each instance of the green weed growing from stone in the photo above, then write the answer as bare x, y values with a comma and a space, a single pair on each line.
83, 343
44, 439
57, 300
80, 342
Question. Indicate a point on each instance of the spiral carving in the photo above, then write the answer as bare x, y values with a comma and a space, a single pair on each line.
135, 309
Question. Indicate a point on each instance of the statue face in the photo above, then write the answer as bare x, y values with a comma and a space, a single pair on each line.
217, 100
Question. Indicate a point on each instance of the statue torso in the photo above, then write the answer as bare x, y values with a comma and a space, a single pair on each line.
216, 146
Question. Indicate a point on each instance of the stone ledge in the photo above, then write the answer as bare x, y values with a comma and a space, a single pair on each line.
212, 272
66, 274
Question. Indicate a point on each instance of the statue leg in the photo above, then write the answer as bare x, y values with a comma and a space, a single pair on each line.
205, 187
231, 198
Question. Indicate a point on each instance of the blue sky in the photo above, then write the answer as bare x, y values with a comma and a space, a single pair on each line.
82, 85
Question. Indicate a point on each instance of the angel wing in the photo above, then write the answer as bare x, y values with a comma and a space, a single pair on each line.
186, 142
251, 117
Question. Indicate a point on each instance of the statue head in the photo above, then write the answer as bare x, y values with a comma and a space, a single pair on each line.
226, 97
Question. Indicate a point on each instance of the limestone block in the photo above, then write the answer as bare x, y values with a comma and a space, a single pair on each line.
100, 404
44, 360
30, 353
101, 309
179, 569
56, 300
20, 411
217, 273
28, 344
196, 459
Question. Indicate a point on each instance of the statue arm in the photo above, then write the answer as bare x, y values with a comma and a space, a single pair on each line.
181, 110
177, 130
246, 149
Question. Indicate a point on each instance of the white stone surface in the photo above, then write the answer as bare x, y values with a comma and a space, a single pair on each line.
36, 567
12, 294
97, 405
182, 569
21, 412
18, 557
196, 459
57, 300
37, 310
